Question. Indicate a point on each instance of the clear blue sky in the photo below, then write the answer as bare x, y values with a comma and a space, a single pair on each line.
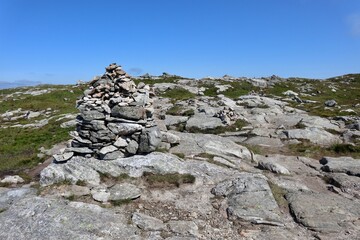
62, 41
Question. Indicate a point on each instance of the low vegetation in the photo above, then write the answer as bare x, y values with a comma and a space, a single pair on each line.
19, 146
170, 179
279, 195
178, 94
180, 111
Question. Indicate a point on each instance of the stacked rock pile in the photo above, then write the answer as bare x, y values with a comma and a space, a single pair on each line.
115, 119
227, 115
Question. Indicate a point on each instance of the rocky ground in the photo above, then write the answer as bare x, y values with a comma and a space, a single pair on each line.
266, 158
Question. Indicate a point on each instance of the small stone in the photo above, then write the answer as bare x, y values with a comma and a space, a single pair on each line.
15, 179
120, 143
330, 103
100, 195
63, 157
107, 149
124, 191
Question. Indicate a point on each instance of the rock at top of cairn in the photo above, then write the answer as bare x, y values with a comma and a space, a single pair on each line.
115, 118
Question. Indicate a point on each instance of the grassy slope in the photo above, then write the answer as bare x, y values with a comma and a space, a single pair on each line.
19, 146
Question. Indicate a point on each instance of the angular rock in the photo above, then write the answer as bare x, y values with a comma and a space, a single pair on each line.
92, 115
124, 128
324, 212
132, 147
346, 165
120, 143
150, 139
63, 157
249, 199
128, 112
203, 122
273, 167
330, 103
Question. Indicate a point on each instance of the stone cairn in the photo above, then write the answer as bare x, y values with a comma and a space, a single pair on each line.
115, 119
227, 115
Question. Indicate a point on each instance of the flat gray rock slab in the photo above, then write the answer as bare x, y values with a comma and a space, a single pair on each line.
124, 191
325, 212
193, 144
346, 165
203, 122
9, 196
347, 184
171, 120
249, 199
292, 163
43, 218
264, 141
314, 135
87, 169
147, 222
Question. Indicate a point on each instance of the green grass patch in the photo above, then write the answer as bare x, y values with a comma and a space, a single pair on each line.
81, 183
178, 94
106, 177
180, 155
311, 150
120, 202
19, 146
177, 110
279, 195
169, 179
239, 88
344, 148
62, 100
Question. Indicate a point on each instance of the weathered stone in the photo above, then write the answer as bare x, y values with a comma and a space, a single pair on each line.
203, 122
124, 128
330, 103
147, 223
250, 199
120, 143
346, 165
314, 135
80, 150
63, 157
324, 212
124, 191
92, 115
113, 155
49, 218
132, 147
15, 179
100, 195
169, 138
127, 112
150, 138
273, 167
106, 150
